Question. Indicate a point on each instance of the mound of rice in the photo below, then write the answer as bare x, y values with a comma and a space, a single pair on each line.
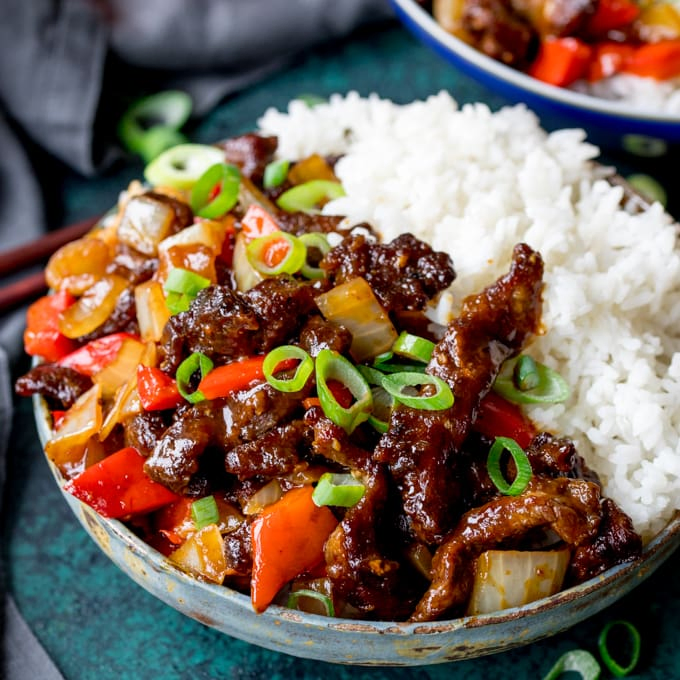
474, 183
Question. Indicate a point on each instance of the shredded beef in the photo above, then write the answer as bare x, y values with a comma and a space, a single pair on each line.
60, 385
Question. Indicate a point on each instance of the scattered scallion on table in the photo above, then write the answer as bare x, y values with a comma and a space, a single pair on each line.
634, 655
577, 661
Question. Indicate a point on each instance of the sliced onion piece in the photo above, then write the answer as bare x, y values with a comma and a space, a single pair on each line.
511, 578
78, 265
152, 312
145, 222
122, 369
245, 275
93, 308
202, 554
268, 494
353, 305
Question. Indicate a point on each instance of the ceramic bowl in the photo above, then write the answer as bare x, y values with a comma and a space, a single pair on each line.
349, 641
610, 124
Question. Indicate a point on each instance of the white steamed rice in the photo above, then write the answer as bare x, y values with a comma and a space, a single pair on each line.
474, 183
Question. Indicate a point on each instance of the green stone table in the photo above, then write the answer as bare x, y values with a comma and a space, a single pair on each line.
94, 621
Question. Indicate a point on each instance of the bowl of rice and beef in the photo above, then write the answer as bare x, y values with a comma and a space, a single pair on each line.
375, 384
611, 67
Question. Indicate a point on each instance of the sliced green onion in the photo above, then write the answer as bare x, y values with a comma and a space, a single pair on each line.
275, 173
648, 187
642, 145
297, 594
551, 387
194, 362
378, 425
259, 250
578, 661
339, 490
331, 365
413, 347
525, 374
305, 197
181, 166
151, 124
311, 100
320, 242
397, 382
216, 191
204, 511
181, 288
634, 638
372, 375
522, 465
303, 370
383, 403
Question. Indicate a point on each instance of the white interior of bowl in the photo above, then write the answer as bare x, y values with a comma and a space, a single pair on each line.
622, 110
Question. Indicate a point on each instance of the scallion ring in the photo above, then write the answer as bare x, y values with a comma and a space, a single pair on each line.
314, 240
216, 191
372, 375
648, 187
396, 383
634, 638
578, 661
276, 253
551, 387
204, 512
194, 362
522, 465
339, 490
151, 124
331, 365
181, 288
303, 370
313, 594
181, 166
306, 197
413, 347
525, 374
275, 173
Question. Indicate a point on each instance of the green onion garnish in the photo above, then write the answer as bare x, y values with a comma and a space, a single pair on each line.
577, 661
181, 288
311, 100
194, 362
204, 511
297, 594
151, 124
305, 197
634, 638
276, 253
372, 375
275, 173
216, 191
337, 489
413, 347
395, 384
648, 187
181, 166
522, 464
550, 387
320, 242
331, 365
303, 370
642, 145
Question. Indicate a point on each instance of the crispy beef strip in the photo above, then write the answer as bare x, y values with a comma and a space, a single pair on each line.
60, 385
251, 153
226, 324
317, 334
404, 274
571, 508
358, 562
420, 446
224, 423
143, 430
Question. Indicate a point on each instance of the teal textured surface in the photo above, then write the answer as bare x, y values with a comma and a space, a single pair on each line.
96, 622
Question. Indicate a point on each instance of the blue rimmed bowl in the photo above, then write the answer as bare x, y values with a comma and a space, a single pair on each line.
611, 124
348, 641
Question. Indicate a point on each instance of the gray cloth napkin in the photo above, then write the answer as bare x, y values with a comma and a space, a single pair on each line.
64, 66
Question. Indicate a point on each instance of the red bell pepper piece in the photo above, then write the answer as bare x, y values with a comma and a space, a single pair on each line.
157, 390
660, 60
118, 486
97, 354
561, 61
174, 521
608, 59
497, 417
288, 538
257, 222
224, 380
612, 14
42, 336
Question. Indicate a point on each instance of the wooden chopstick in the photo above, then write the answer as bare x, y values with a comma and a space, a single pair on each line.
21, 257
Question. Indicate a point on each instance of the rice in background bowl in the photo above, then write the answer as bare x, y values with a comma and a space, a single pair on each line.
474, 183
